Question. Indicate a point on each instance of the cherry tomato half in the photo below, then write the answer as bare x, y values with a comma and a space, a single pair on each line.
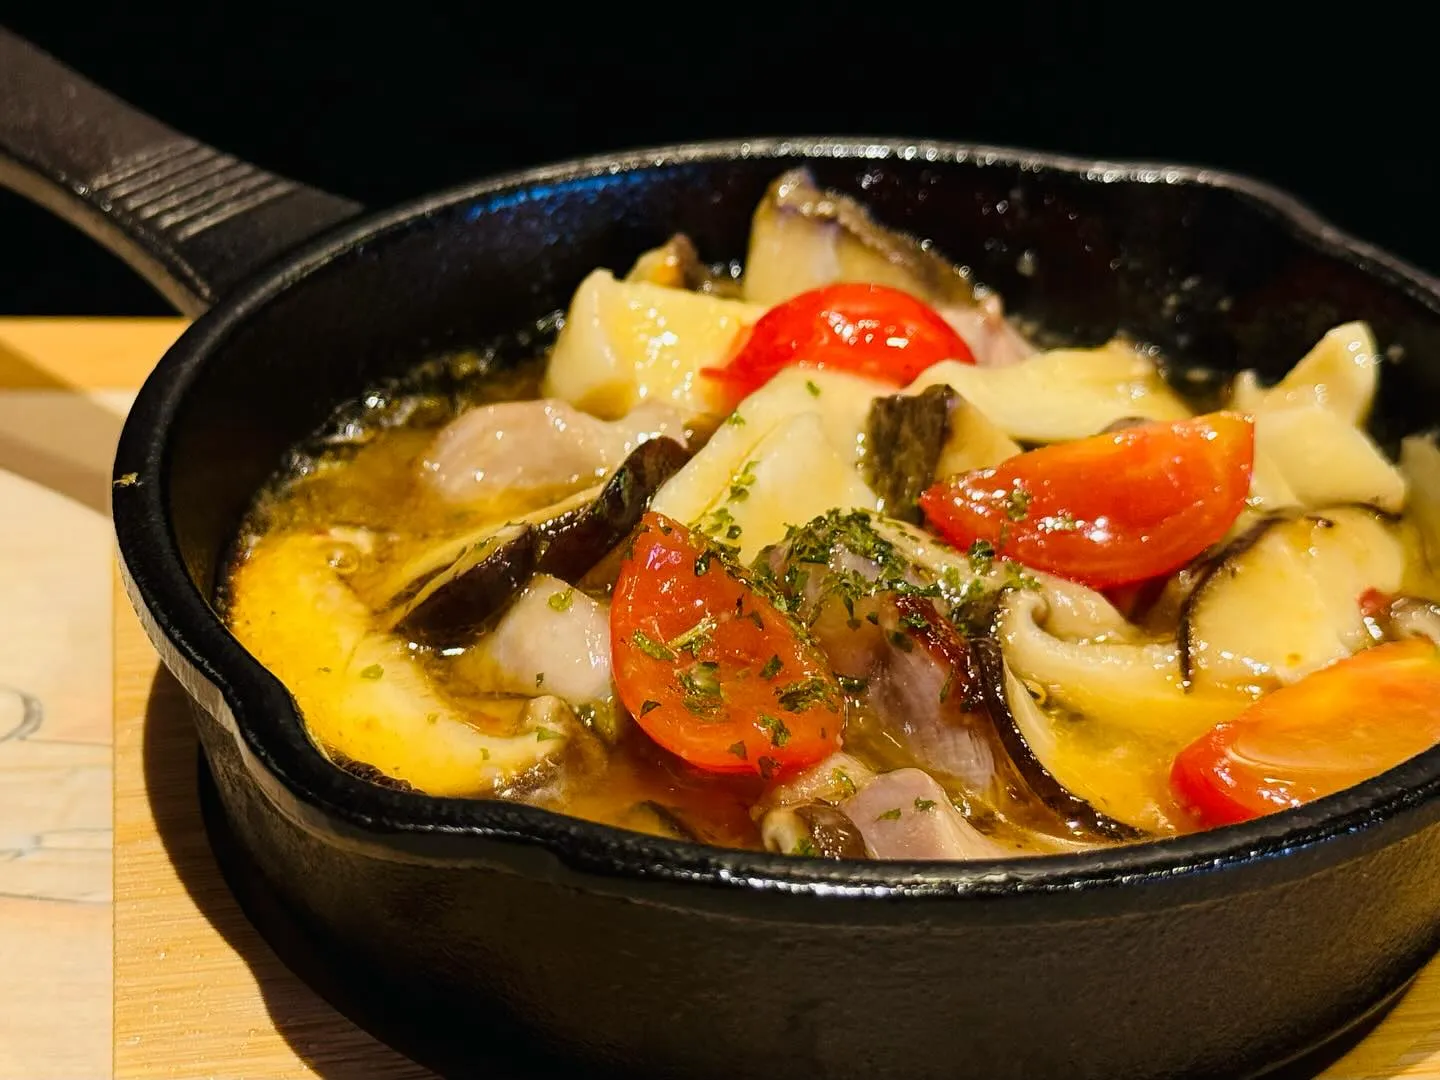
709, 668
1331, 730
871, 330
1107, 510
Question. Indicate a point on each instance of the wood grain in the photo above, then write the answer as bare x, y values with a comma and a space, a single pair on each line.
197, 993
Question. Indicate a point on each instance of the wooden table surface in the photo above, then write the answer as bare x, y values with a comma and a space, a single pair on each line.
196, 993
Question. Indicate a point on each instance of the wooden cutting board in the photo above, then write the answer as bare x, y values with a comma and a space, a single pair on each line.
197, 993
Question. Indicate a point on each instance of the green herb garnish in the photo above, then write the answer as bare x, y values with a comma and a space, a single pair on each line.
772, 667
545, 734
650, 647
700, 685
374, 671
1017, 503
779, 733
803, 693
805, 846
694, 639
890, 815
923, 805
738, 749
647, 706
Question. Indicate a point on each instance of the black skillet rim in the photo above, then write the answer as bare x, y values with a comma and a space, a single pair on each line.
458, 831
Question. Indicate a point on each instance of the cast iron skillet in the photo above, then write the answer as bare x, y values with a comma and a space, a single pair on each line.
1223, 953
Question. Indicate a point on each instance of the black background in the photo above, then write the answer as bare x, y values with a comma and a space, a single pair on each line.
386, 101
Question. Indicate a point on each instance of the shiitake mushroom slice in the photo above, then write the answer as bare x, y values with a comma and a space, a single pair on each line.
994, 687
460, 600
904, 437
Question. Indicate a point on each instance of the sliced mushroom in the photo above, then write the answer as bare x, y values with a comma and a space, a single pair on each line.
905, 435
1089, 765
1284, 600
1063, 393
676, 265
377, 706
449, 592
1072, 646
803, 237
813, 829
873, 592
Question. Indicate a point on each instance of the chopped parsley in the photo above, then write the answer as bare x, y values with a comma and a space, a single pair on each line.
647, 706
738, 749
539, 679
779, 733
892, 814
914, 621
545, 734
805, 846
719, 524
694, 639
700, 685
814, 390
735, 420
1017, 503
484, 754
850, 684
741, 481
702, 562
374, 671
650, 647
923, 805
981, 556
947, 685
767, 767
754, 617
901, 641
841, 779
432, 718
772, 667
561, 601
1061, 522
803, 693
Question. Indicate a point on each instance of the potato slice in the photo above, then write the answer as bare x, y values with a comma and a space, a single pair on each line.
1325, 461
364, 694
1340, 374
1284, 601
625, 342
839, 400
1064, 393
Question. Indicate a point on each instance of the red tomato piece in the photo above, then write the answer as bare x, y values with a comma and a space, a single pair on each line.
1333, 729
1107, 510
712, 670
870, 330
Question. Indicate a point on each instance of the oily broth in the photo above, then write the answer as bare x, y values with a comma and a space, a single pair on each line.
363, 473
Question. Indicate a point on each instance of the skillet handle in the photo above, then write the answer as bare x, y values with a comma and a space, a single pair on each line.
191, 220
